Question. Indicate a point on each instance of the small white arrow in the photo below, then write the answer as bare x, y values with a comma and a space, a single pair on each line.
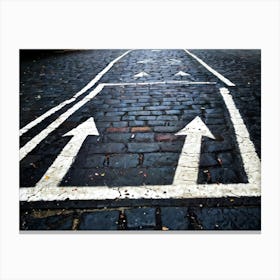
141, 74
187, 168
63, 162
181, 73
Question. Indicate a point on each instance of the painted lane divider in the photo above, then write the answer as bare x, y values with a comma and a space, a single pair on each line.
210, 69
188, 165
251, 161
63, 162
29, 146
68, 101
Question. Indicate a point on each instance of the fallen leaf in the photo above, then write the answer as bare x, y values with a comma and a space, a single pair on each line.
47, 177
220, 161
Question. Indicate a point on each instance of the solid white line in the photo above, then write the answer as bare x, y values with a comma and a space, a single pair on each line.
210, 69
83, 90
29, 146
138, 192
160, 83
251, 161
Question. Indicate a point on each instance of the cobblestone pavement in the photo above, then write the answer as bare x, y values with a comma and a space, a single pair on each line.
146, 97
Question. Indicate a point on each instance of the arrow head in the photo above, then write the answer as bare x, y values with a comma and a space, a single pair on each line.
196, 126
86, 128
181, 73
141, 74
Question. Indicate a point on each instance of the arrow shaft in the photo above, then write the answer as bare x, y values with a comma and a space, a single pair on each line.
62, 163
188, 164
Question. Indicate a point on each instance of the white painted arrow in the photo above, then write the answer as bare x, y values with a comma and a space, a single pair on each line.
141, 74
182, 74
63, 162
187, 168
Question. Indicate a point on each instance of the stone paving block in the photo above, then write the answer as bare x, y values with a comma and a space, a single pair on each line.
239, 218
141, 218
208, 159
141, 129
160, 159
107, 148
56, 222
99, 220
175, 218
144, 137
142, 147
123, 161
175, 146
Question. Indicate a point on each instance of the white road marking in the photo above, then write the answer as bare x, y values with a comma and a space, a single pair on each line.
138, 192
210, 69
160, 83
251, 161
141, 74
188, 164
68, 101
65, 159
29, 146
181, 73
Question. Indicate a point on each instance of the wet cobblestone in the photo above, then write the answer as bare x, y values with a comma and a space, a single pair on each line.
137, 145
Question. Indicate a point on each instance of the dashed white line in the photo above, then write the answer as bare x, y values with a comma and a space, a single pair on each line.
210, 69
83, 90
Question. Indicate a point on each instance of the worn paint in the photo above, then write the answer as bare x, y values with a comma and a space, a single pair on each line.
188, 165
210, 69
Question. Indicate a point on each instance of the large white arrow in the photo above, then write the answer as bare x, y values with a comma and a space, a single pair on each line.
187, 168
63, 162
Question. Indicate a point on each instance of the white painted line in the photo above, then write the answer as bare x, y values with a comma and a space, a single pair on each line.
210, 69
83, 90
251, 161
188, 165
65, 159
138, 192
141, 75
160, 83
29, 146
182, 74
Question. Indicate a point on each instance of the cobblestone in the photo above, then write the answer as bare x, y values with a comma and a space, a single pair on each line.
137, 145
